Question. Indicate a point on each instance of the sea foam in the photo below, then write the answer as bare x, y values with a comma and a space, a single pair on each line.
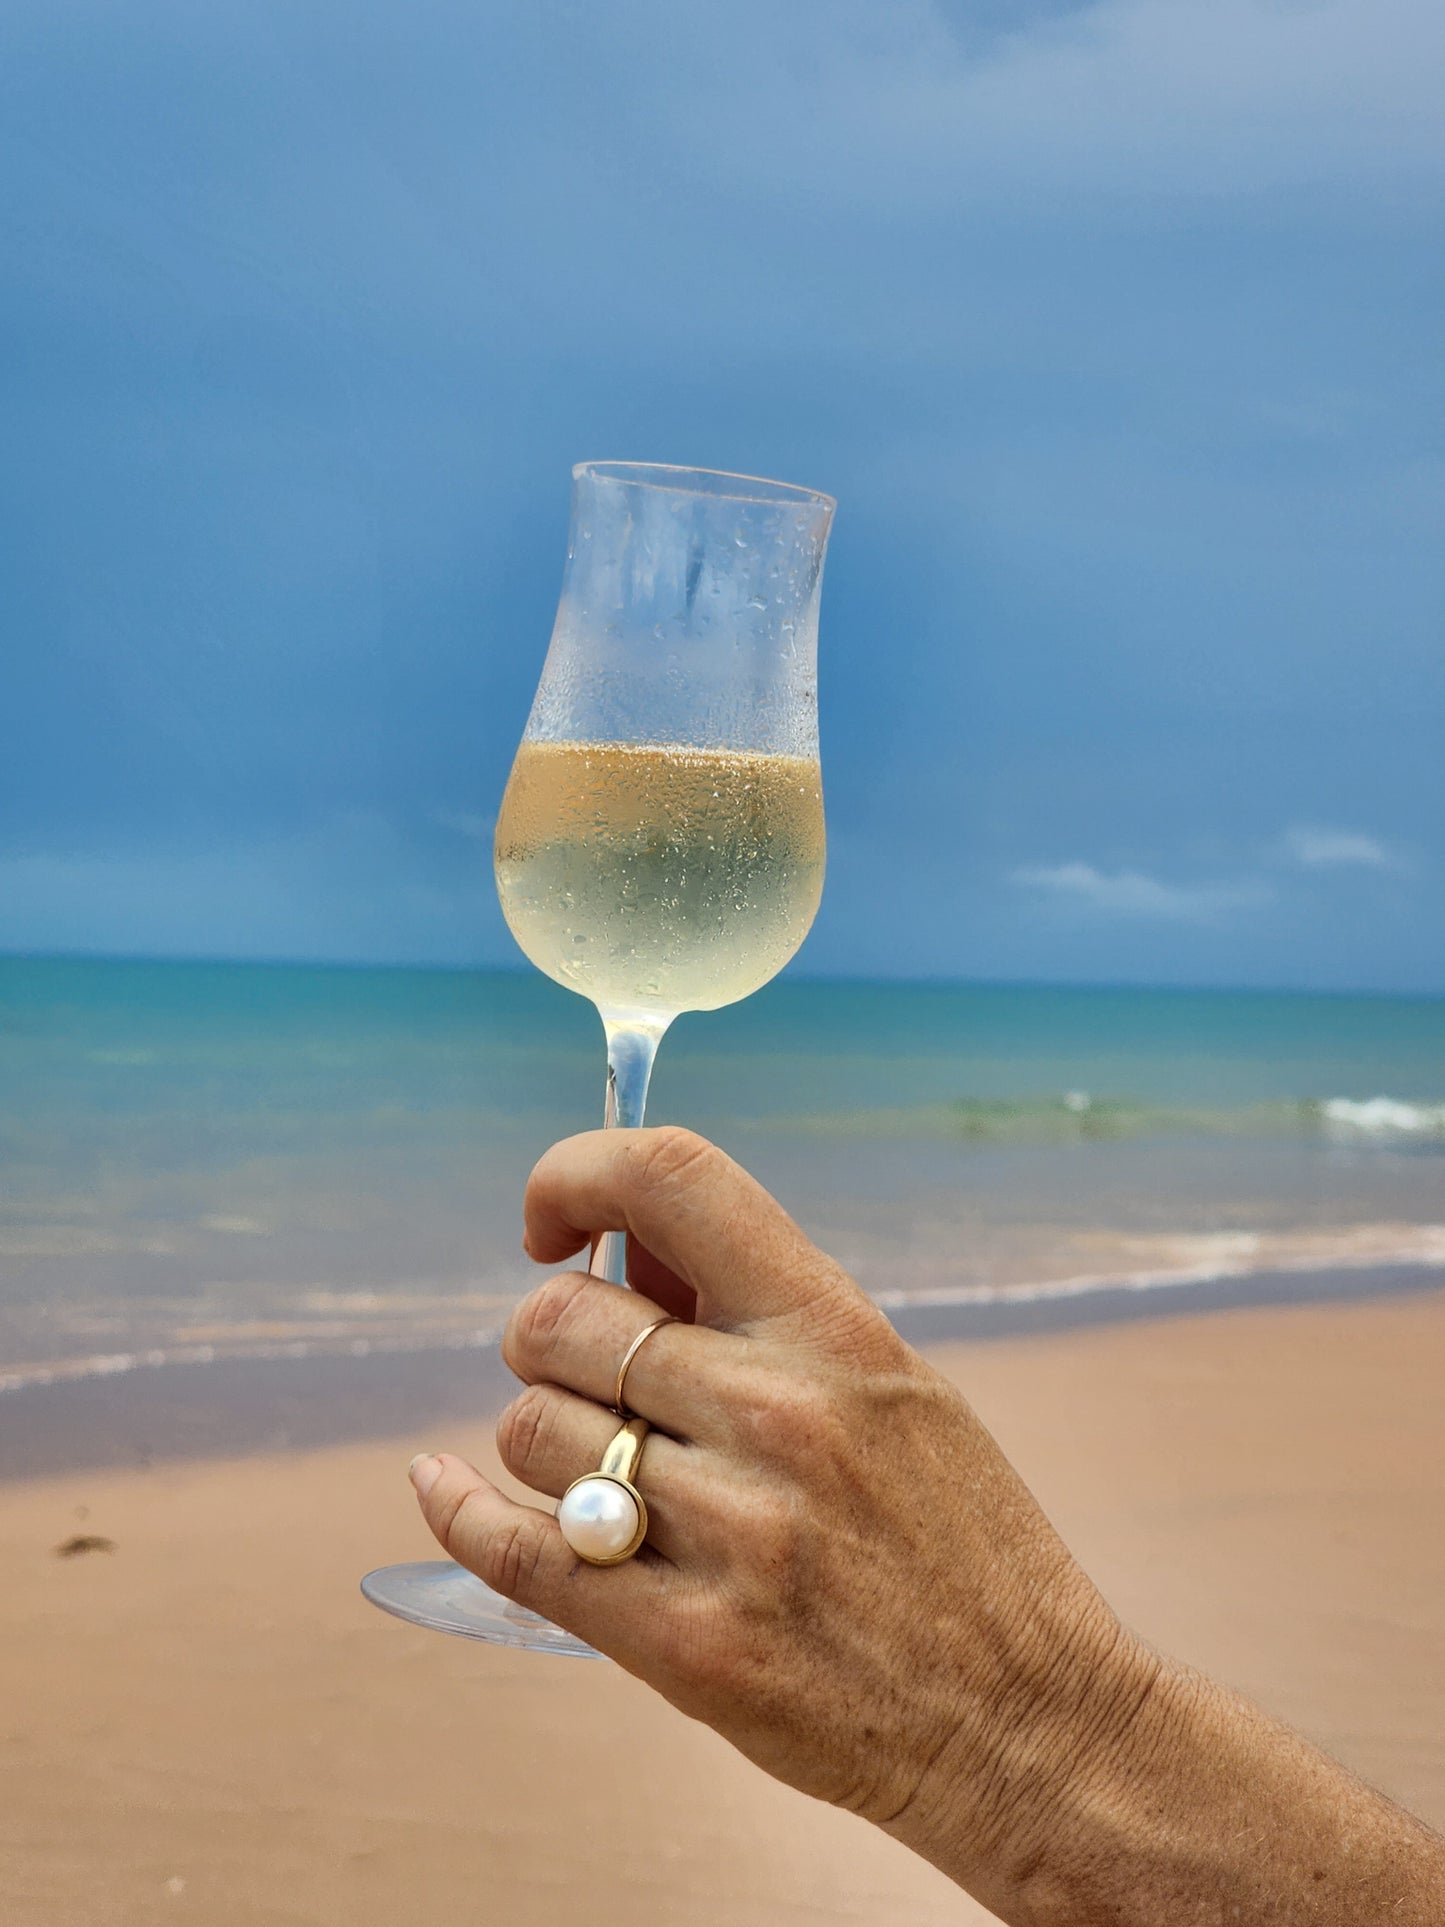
1382, 1117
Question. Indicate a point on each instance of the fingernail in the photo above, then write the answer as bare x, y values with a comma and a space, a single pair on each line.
423, 1472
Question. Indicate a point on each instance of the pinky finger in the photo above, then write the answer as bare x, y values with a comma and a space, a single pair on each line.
521, 1553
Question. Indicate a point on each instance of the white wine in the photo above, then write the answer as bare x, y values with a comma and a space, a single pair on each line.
657, 878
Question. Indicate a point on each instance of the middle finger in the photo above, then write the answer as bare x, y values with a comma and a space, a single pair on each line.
574, 1331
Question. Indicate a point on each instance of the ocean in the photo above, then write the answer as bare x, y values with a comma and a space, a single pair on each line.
204, 1162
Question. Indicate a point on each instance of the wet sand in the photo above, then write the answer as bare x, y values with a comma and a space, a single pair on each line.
231, 1407
208, 1724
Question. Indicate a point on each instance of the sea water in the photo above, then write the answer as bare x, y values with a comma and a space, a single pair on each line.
208, 1160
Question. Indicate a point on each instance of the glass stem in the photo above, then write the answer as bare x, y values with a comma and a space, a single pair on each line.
631, 1049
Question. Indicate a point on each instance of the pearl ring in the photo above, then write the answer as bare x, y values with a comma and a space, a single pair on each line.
603, 1516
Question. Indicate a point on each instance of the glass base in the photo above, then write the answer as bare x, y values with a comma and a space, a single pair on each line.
448, 1599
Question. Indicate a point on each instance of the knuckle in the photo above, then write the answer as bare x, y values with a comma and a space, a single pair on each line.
511, 1556
795, 1418
661, 1159
544, 1314
845, 1322
523, 1429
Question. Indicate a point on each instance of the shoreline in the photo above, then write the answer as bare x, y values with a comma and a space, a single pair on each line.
207, 1722
198, 1409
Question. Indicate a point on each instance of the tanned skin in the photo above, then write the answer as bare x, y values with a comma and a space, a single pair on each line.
847, 1579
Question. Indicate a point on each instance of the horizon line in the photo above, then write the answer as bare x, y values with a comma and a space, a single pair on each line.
788, 976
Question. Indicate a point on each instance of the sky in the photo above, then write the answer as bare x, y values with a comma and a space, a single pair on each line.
1115, 326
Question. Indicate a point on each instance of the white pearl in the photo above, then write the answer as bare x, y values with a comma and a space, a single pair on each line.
598, 1518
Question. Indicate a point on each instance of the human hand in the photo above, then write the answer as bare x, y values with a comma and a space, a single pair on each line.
843, 1575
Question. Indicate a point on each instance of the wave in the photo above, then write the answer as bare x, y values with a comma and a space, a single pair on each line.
1229, 1256
69, 1371
1381, 1117
1080, 1116
1212, 1258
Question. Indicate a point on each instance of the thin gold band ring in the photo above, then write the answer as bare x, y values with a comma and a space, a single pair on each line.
619, 1404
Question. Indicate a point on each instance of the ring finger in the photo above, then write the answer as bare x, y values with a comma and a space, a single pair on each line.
548, 1437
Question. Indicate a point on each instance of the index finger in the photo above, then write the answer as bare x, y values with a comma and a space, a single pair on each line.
695, 1210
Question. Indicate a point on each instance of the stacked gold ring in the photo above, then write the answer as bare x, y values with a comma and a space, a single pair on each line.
619, 1404
603, 1516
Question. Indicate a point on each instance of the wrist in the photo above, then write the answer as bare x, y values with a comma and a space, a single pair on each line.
1097, 1774
1023, 1807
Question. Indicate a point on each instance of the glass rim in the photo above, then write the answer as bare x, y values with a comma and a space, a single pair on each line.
758, 488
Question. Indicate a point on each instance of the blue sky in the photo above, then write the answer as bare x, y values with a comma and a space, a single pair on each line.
1115, 328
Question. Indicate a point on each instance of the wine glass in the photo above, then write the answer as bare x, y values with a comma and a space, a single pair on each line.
660, 843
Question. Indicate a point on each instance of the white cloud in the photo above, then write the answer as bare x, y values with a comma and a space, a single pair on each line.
1130, 893
1319, 849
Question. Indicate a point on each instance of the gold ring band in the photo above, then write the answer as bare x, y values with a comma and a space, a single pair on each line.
619, 1461
603, 1516
619, 1404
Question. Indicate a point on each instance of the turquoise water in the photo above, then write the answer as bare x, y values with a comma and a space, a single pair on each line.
232, 1156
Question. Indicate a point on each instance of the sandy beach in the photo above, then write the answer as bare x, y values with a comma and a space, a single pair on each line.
208, 1724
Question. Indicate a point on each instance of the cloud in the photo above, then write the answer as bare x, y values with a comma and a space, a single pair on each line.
1130, 893
1065, 301
924, 104
1319, 849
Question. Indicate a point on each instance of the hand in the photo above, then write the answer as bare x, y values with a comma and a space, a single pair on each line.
843, 1574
